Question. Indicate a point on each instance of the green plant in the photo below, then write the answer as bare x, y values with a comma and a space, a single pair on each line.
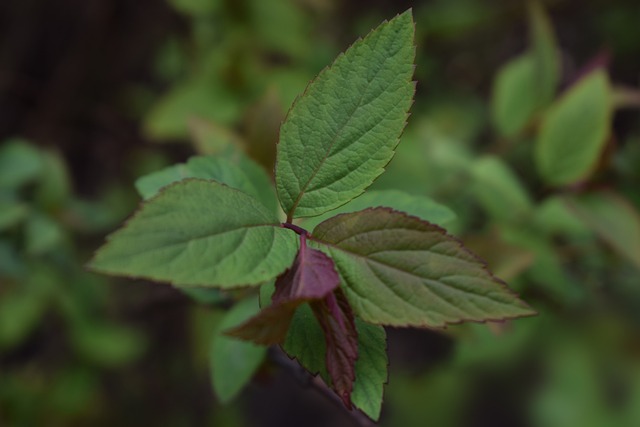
216, 226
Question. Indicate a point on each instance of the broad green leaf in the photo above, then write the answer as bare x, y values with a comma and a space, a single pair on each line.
574, 131
499, 190
402, 271
420, 206
199, 233
305, 342
613, 218
20, 163
232, 168
341, 133
233, 362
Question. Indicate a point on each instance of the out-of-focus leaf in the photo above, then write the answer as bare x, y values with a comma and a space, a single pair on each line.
574, 131
20, 163
545, 54
11, 263
196, 8
107, 344
12, 212
280, 26
197, 98
527, 83
515, 93
499, 190
20, 313
209, 137
234, 362
200, 233
341, 133
54, 186
402, 271
205, 295
42, 234
613, 218
420, 206
553, 216
232, 168
262, 124
547, 271
572, 394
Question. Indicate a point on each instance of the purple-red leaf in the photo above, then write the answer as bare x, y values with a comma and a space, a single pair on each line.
338, 323
311, 277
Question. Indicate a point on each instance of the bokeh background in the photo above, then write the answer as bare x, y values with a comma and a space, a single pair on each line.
94, 94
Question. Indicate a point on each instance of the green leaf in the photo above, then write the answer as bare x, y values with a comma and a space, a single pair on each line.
399, 270
12, 212
613, 218
545, 54
234, 362
341, 133
198, 97
42, 234
209, 137
527, 83
306, 343
20, 313
232, 168
20, 163
107, 344
371, 369
513, 101
199, 233
420, 206
574, 131
499, 190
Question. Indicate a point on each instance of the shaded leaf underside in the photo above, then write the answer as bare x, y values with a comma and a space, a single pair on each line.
311, 277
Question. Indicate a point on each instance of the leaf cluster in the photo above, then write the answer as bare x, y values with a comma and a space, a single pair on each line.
213, 223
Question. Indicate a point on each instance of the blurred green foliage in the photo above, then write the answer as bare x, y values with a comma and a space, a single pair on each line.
493, 101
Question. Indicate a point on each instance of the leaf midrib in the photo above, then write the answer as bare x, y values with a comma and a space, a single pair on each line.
333, 141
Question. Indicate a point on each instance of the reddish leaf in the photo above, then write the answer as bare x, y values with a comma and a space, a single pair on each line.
338, 323
311, 277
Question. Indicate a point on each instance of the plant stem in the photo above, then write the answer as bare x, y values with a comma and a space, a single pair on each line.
299, 230
303, 377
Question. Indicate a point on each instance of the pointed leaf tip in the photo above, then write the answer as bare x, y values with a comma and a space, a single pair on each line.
400, 270
341, 133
